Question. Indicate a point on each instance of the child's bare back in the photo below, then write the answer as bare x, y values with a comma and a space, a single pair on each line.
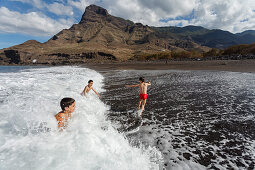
143, 87
143, 93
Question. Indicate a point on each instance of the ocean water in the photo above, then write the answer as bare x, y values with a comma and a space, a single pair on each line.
197, 119
29, 139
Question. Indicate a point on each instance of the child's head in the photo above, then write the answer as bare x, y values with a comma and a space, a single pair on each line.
90, 82
141, 79
67, 104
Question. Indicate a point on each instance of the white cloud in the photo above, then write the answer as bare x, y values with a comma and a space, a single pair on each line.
169, 8
32, 23
57, 8
231, 15
60, 9
150, 12
82, 4
37, 3
221, 14
228, 15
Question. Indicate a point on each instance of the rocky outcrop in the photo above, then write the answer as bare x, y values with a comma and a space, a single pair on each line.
95, 13
13, 56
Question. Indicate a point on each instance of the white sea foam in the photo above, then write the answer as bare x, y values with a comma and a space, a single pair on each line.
28, 130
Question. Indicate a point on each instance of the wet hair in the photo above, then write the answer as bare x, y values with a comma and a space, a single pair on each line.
66, 102
90, 81
141, 79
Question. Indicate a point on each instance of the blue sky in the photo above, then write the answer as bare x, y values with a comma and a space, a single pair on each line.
22, 20
10, 38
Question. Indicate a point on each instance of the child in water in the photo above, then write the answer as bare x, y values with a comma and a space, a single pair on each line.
143, 93
68, 106
88, 88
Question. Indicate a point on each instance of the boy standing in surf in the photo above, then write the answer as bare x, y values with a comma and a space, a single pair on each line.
67, 105
88, 88
143, 93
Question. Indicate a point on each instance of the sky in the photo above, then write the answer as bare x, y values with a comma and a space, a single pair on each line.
22, 20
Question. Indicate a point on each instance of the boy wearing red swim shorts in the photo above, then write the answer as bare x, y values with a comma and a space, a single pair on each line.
143, 93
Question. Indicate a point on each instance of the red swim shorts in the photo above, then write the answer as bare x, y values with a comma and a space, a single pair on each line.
143, 96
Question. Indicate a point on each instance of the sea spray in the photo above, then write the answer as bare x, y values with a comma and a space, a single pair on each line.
29, 138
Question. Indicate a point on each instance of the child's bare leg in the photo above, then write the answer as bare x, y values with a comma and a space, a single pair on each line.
140, 102
143, 105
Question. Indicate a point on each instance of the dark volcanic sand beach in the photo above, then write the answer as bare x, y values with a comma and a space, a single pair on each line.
197, 119
221, 65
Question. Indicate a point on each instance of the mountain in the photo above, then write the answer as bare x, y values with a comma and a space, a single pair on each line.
211, 38
247, 32
100, 36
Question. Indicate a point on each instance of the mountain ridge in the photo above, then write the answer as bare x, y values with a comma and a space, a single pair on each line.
100, 36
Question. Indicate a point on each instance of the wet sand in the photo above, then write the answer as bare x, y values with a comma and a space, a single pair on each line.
217, 65
196, 119
204, 118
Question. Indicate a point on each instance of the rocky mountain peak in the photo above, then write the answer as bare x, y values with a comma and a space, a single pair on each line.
93, 13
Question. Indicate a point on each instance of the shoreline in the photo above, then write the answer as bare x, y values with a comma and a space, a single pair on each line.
247, 66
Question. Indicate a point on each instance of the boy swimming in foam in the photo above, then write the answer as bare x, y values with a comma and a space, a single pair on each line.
88, 88
143, 93
68, 106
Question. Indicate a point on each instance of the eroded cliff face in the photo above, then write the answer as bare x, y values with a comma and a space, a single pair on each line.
98, 37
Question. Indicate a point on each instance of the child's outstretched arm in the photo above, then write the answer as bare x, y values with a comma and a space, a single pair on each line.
96, 93
136, 85
149, 83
